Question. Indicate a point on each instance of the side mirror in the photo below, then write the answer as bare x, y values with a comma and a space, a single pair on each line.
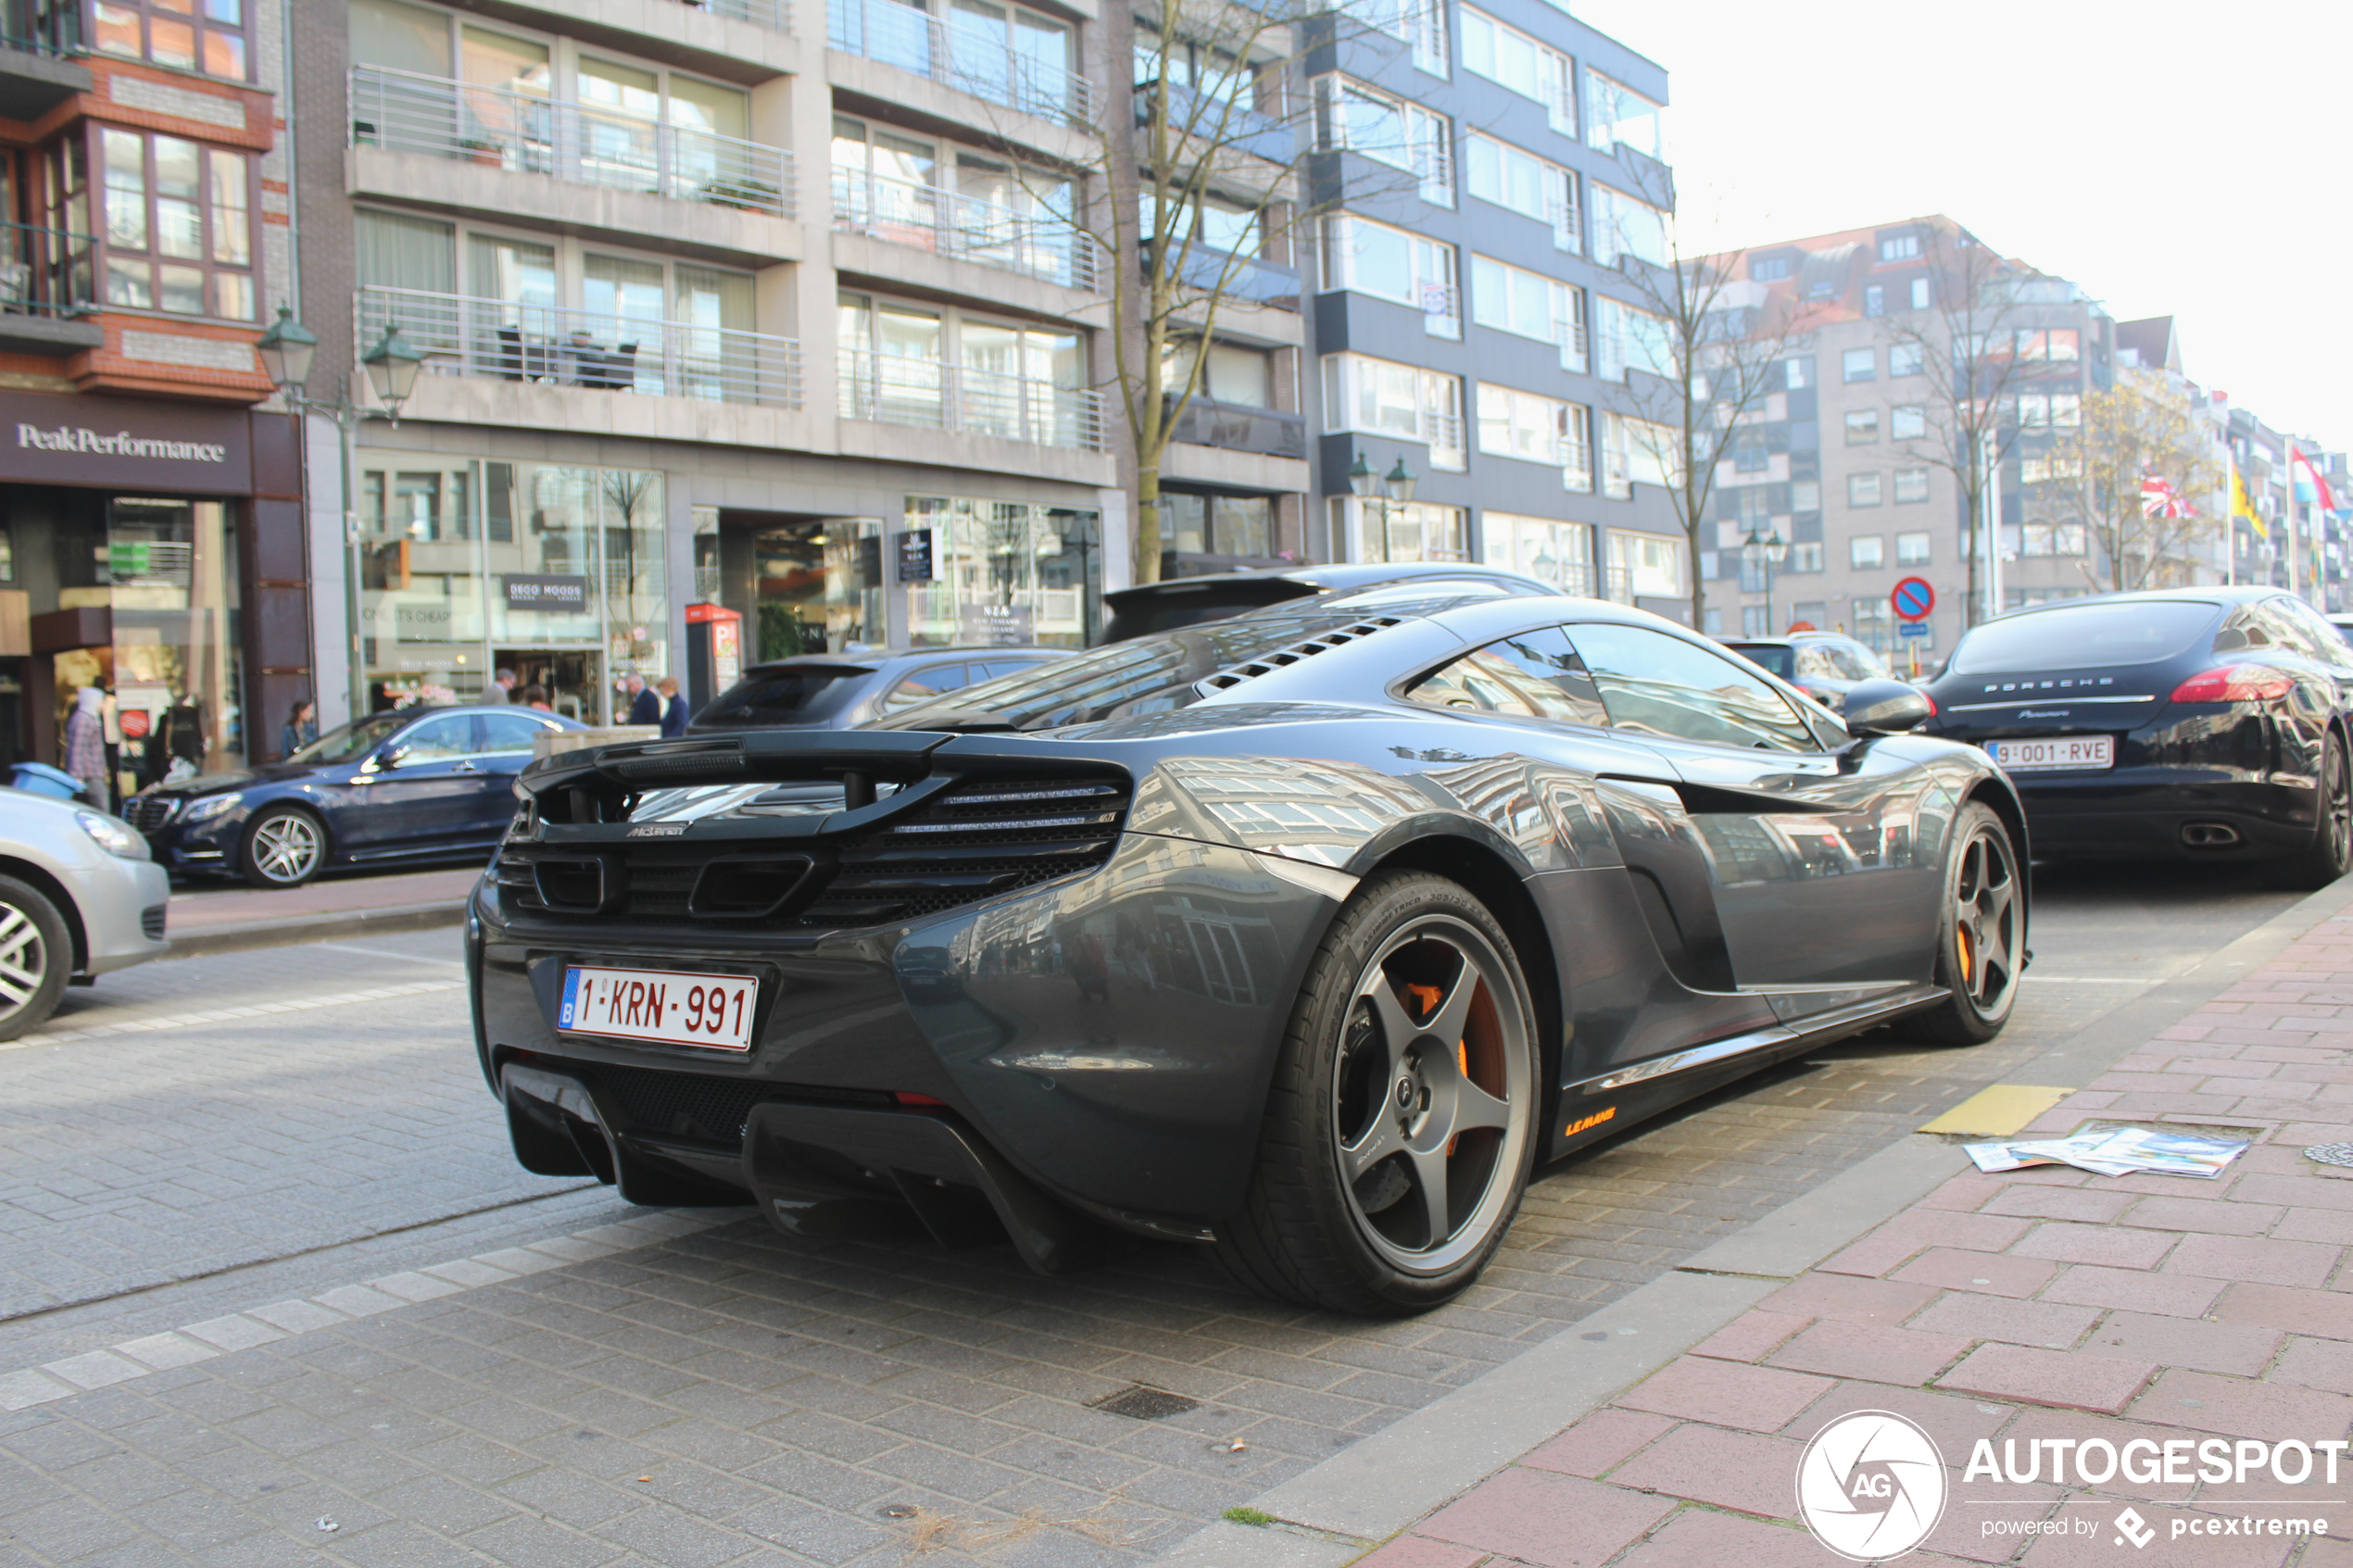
1886, 708
387, 758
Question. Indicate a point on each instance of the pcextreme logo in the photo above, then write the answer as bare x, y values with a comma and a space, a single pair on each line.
1584, 1122
1870, 1486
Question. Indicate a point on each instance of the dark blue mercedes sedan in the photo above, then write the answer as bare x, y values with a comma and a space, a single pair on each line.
418, 783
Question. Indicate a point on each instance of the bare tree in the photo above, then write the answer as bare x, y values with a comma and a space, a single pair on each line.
1965, 344
1701, 355
2127, 472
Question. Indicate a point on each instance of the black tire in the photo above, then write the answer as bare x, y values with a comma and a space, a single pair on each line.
284, 846
1441, 1139
1981, 933
36, 957
2330, 855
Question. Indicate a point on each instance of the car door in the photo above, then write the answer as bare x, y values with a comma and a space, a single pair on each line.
423, 792
1818, 872
505, 749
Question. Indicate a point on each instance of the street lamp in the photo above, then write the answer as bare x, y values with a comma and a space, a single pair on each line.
1386, 491
287, 349
1766, 550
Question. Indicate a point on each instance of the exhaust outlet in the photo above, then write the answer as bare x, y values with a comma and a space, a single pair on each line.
2209, 836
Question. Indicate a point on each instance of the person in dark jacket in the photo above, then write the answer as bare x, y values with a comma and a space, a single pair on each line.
674, 708
645, 707
301, 729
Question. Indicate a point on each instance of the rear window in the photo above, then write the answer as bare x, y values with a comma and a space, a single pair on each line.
2098, 634
1777, 658
800, 695
1154, 675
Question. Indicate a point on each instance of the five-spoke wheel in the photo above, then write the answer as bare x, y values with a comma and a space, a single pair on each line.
1982, 947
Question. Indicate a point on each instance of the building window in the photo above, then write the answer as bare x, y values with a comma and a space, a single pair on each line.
1512, 299
1506, 55
1911, 485
1416, 532
1394, 265
1387, 130
1904, 360
1798, 374
1805, 557
1218, 524
1524, 425
183, 34
1907, 422
1616, 115
2047, 470
2041, 345
1750, 453
1911, 549
1626, 226
1630, 339
1874, 300
1900, 248
2062, 408
1866, 552
1805, 495
1859, 364
1862, 489
1498, 172
1557, 553
1753, 622
1774, 269
2054, 539
1920, 293
178, 225
1651, 564
1862, 426
1382, 397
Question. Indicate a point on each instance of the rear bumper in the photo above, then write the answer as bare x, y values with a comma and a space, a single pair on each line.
2144, 814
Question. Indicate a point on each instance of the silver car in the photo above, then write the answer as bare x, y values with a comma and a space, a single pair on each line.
79, 897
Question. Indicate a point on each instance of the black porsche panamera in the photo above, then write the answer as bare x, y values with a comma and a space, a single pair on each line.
1305, 935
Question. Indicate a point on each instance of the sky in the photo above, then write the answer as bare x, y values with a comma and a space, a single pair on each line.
2169, 161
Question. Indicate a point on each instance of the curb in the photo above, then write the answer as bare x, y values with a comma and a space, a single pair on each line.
1336, 1512
294, 929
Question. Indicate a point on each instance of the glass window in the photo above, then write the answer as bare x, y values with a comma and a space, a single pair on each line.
1535, 676
1900, 248
1911, 549
1920, 293
1557, 553
1904, 360
436, 740
1654, 682
398, 36
1862, 489
509, 731
1624, 225
178, 225
1649, 564
178, 33
170, 568
1911, 485
2083, 636
1860, 364
1391, 263
1615, 113
1866, 552
1907, 422
925, 685
1862, 426
1874, 301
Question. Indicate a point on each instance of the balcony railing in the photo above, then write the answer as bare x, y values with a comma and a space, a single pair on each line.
899, 390
407, 113
1569, 334
968, 51
47, 27
930, 217
1235, 427
1236, 276
1228, 125
774, 15
554, 346
44, 271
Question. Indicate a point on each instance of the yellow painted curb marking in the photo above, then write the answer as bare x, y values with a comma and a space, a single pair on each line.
1998, 1112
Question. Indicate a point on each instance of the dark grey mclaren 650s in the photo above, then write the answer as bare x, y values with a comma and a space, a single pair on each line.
1305, 935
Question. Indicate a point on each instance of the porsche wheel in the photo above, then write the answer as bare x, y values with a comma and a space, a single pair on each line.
285, 848
1981, 948
2331, 853
1400, 1124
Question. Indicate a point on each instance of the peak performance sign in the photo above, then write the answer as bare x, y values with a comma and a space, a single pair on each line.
123, 445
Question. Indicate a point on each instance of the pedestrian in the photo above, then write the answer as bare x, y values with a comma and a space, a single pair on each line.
85, 748
645, 707
674, 708
302, 728
537, 696
502, 687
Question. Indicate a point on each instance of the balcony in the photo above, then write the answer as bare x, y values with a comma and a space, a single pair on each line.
553, 346
45, 292
40, 57
968, 53
1236, 276
1235, 427
401, 112
774, 15
966, 227
895, 390
1207, 120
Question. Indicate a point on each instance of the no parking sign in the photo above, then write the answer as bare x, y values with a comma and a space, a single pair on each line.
1913, 599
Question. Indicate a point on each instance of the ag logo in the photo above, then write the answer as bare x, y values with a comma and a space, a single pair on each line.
1870, 1486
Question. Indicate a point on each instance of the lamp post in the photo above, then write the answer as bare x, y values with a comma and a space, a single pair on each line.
1766, 550
1386, 491
286, 350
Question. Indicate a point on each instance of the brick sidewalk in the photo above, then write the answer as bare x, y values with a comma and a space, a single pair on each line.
2047, 1303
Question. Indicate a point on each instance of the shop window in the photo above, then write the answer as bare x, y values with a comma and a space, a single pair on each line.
178, 223
171, 582
1036, 570
206, 35
1218, 525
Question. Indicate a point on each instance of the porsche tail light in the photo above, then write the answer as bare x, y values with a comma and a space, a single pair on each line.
2238, 682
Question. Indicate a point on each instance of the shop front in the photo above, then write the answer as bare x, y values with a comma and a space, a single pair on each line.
151, 550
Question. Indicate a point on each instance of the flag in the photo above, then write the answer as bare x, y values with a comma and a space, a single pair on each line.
2159, 499
2243, 508
2320, 487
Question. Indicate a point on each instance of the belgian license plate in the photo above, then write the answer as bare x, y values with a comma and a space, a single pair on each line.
710, 1010
2051, 753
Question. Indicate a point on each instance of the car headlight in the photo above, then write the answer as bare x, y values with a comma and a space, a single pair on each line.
209, 808
112, 837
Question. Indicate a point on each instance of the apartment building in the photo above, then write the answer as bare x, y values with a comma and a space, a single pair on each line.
1485, 165
151, 537
1840, 461
754, 303
2301, 544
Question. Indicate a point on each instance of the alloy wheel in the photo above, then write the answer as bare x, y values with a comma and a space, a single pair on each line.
286, 847
2338, 807
1433, 1088
24, 959
1986, 917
